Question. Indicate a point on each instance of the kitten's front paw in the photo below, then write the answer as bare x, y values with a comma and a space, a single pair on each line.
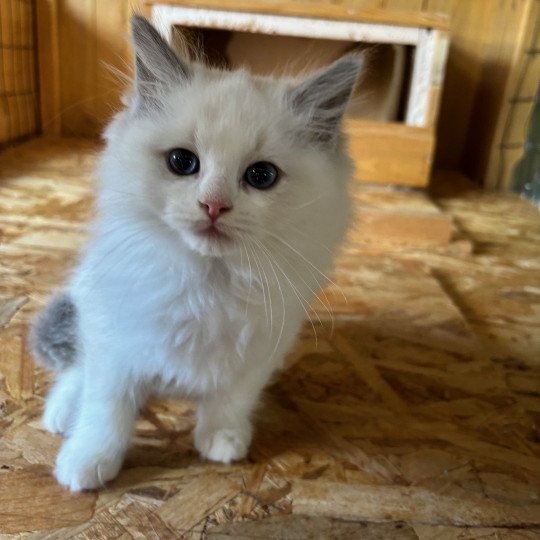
57, 417
81, 468
224, 445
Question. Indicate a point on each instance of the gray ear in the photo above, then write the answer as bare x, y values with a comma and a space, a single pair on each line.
156, 64
323, 97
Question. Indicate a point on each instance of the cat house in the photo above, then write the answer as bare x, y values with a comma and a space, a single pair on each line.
391, 119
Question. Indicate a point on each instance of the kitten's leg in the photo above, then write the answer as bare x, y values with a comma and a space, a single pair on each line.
223, 431
95, 449
63, 400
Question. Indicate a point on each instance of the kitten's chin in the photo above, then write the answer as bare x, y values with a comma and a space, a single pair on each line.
210, 243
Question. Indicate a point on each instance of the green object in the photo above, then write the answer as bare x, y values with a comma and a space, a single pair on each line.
526, 177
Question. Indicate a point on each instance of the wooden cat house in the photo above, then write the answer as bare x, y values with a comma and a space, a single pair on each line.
391, 121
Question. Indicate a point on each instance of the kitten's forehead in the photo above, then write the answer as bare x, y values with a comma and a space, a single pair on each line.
231, 110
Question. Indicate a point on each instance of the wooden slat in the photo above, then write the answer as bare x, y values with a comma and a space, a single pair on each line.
390, 153
167, 16
441, 7
463, 75
18, 93
352, 10
403, 5
530, 83
79, 66
506, 163
6, 66
491, 160
112, 52
27, 24
15, 23
49, 66
518, 123
442, 44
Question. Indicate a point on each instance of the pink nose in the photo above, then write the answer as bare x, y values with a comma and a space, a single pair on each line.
215, 208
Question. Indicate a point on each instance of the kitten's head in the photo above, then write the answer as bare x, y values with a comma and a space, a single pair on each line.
224, 158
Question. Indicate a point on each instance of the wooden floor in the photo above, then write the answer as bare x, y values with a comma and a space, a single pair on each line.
417, 418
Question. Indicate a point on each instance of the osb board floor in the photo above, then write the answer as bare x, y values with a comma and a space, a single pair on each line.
416, 417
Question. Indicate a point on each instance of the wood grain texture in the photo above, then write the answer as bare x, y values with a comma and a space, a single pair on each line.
387, 153
93, 45
373, 11
511, 124
485, 42
46, 505
18, 64
49, 61
529, 75
415, 418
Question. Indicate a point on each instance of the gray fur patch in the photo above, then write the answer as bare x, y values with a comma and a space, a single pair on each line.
325, 95
157, 66
53, 335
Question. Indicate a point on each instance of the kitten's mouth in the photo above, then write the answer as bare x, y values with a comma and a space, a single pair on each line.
211, 232
212, 239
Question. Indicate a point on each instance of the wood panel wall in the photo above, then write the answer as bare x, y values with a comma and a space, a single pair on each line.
522, 88
18, 88
83, 45
479, 61
92, 34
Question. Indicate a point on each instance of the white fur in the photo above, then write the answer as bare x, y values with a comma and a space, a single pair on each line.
164, 311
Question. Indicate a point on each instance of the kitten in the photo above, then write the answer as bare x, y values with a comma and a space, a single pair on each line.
222, 197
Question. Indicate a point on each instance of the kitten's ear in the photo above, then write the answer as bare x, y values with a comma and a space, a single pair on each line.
323, 97
156, 64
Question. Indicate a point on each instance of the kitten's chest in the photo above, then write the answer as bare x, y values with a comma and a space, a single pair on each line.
203, 323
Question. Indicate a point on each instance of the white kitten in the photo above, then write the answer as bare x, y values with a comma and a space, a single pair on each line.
222, 198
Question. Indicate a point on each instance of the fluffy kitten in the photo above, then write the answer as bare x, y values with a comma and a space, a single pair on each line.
222, 196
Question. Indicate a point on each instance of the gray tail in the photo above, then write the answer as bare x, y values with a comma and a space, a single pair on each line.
53, 334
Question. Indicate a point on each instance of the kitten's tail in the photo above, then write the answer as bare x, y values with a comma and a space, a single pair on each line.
53, 334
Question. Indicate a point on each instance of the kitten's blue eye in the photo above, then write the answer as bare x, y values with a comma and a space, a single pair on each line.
183, 162
261, 175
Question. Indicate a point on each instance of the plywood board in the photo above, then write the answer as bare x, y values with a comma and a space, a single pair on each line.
412, 416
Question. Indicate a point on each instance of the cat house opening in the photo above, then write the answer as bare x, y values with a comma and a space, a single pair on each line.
380, 94
399, 59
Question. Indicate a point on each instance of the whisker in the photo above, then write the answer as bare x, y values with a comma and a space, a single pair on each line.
250, 274
290, 223
306, 204
268, 289
262, 284
282, 299
301, 299
327, 305
294, 250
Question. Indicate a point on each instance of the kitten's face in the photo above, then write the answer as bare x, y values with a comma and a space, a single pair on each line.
222, 159
225, 124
